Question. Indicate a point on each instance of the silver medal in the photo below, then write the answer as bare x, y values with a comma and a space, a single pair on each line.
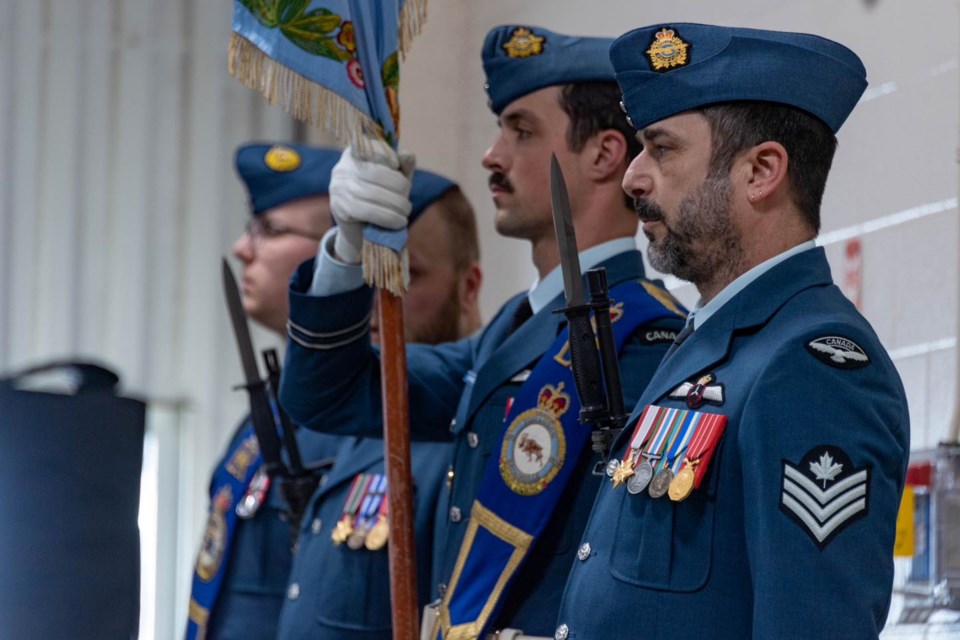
640, 478
661, 483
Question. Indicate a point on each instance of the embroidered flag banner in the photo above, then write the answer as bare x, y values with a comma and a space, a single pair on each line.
333, 64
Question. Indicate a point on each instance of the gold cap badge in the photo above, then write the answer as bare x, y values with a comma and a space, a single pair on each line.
281, 158
523, 44
667, 50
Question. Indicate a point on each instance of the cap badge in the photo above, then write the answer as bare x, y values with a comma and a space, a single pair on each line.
523, 44
281, 159
667, 50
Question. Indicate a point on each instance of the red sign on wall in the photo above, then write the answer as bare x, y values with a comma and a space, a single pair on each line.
853, 273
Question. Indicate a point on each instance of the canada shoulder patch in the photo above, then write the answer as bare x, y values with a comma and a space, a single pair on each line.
656, 335
839, 352
824, 493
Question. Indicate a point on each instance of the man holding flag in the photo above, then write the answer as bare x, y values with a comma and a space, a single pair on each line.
503, 545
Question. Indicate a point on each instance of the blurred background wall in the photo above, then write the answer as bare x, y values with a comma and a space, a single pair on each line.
118, 121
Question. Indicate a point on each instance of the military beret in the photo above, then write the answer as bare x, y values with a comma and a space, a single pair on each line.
426, 189
519, 60
666, 69
275, 174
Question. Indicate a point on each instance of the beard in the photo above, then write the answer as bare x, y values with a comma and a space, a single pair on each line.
444, 326
702, 242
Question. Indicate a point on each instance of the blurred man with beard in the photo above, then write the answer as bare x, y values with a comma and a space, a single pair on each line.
340, 584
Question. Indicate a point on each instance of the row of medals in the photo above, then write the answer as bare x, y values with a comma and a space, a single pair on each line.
373, 537
678, 486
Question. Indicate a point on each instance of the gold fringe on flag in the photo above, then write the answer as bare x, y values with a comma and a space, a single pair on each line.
302, 98
413, 16
310, 102
384, 268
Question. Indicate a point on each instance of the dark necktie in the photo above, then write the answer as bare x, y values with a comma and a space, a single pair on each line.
521, 314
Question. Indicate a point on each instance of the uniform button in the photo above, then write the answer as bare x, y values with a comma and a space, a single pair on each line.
473, 439
584, 551
453, 424
455, 514
442, 589
323, 481
562, 632
450, 476
293, 591
316, 526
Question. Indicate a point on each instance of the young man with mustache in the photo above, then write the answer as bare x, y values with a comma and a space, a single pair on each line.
520, 484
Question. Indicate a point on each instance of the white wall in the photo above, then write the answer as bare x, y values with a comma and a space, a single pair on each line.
117, 194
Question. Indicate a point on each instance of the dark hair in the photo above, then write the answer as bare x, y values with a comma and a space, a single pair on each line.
810, 145
461, 222
594, 107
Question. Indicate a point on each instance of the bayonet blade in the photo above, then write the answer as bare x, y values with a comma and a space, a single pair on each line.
238, 318
566, 237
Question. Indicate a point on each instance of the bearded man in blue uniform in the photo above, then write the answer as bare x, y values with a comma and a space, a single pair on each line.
521, 481
760, 474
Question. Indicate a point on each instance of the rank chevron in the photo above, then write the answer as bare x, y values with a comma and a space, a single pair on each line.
824, 493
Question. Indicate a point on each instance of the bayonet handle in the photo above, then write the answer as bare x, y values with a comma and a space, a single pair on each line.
585, 363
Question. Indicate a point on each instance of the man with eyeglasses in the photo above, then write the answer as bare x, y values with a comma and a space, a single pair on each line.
244, 563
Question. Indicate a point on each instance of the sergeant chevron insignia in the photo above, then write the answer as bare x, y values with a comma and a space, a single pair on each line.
839, 352
698, 393
824, 493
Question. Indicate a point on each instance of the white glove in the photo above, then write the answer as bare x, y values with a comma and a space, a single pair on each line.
373, 191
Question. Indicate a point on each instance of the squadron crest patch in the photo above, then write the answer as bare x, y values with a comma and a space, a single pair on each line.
215, 536
281, 159
824, 493
667, 50
523, 44
839, 352
534, 446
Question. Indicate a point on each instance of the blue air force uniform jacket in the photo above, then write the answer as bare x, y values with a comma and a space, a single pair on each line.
337, 593
459, 390
249, 601
790, 535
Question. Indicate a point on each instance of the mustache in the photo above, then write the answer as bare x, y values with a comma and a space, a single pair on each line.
499, 180
646, 210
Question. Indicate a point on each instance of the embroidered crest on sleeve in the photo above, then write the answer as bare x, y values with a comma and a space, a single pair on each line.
839, 352
824, 492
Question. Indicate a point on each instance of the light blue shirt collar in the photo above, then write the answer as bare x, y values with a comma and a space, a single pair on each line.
699, 315
543, 291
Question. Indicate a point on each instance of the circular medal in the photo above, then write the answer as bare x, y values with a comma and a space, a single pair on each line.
682, 485
357, 538
640, 478
612, 466
660, 483
378, 535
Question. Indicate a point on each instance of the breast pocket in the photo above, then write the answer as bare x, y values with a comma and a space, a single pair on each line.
666, 545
